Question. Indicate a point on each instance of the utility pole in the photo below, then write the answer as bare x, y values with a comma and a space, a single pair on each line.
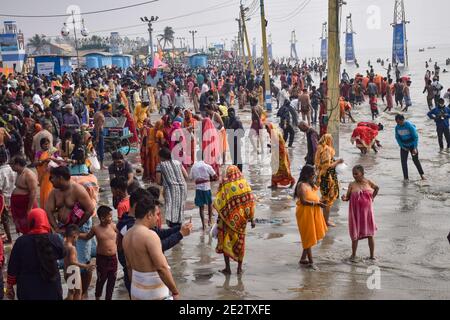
250, 60
268, 94
333, 71
241, 43
150, 30
206, 44
293, 47
193, 32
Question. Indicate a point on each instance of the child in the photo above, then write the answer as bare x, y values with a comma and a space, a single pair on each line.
71, 264
202, 173
119, 187
374, 106
361, 194
106, 235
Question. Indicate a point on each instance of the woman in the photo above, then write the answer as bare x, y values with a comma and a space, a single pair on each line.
33, 262
167, 127
65, 147
235, 204
172, 176
140, 114
326, 174
189, 124
281, 166
178, 142
41, 160
210, 144
365, 136
29, 131
310, 221
361, 223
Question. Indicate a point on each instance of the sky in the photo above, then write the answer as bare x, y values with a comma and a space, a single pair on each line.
215, 22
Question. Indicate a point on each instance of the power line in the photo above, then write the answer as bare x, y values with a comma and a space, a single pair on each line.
69, 14
295, 13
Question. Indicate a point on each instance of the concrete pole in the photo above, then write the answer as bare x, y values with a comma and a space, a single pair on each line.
250, 60
268, 95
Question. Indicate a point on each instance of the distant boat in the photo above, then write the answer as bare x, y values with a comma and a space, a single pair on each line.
422, 50
430, 48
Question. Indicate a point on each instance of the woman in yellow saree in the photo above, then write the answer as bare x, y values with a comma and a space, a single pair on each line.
281, 166
235, 204
42, 158
140, 114
326, 174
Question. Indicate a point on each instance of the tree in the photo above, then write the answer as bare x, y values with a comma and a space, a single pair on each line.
167, 36
38, 41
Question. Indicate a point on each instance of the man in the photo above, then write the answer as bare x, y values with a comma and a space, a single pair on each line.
71, 122
288, 119
437, 88
99, 124
54, 129
372, 89
440, 115
407, 96
166, 101
284, 95
430, 94
235, 133
69, 203
312, 138
151, 278
7, 179
169, 237
305, 106
408, 140
122, 168
399, 90
37, 98
24, 195
44, 133
205, 87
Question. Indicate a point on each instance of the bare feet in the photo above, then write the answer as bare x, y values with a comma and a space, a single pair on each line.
423, 177
225, 271
353, 259
331, 224
303, 262
240, 271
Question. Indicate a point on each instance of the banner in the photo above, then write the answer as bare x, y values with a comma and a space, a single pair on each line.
324, 50
349, 49
45, 68
398, 47
8, 42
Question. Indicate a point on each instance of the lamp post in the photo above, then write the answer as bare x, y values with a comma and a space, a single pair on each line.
84, 32
150, 30
193, 32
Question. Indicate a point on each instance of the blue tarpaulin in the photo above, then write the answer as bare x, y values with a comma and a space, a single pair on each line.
349, 48
398, 47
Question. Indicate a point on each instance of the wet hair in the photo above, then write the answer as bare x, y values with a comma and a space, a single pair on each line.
103, 211
154, 192
165, 154
61, 172
119, 183
117, 155
19, 161
138, 194
359, 168
44, 141
307, 172
71, 229
144, 206
399, 117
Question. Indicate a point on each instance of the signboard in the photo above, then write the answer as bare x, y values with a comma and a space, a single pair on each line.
324, 49
45, 68
398, 47
349, 48
8, 42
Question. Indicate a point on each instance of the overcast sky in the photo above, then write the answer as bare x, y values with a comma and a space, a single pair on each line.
429, 25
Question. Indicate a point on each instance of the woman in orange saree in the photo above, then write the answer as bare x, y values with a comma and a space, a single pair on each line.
42, 158
281, 166
189, 124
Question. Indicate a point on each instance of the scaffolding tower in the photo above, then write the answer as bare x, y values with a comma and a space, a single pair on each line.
400, 41
293, 42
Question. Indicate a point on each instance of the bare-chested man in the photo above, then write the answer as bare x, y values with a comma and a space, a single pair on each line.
24, 196
99, 123
147, 266
69, 203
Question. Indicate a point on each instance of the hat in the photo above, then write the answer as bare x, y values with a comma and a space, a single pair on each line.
68, 106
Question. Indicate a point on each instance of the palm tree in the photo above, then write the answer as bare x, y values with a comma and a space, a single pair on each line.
167, 36
38, 41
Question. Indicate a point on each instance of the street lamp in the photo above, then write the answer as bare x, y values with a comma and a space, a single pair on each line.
150, 30
65, 31
193, 32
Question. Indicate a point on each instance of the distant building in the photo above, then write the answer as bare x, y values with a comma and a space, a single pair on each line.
51, 49
12, 47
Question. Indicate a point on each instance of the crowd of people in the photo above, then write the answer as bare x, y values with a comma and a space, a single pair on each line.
52, 144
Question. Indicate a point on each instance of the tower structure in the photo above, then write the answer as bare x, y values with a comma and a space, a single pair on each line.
293, 45
400, 41
324, 42
349, 43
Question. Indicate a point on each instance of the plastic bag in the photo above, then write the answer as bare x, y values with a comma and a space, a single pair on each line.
95, 164
214, 231
341, 168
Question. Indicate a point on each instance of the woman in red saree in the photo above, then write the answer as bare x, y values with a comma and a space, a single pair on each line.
281, 166
189, 124
130, 124
365, 136
210, 144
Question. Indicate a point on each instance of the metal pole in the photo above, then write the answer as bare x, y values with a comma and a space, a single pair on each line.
250, 60
150, 30
76, 41
333, 72
268, 95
